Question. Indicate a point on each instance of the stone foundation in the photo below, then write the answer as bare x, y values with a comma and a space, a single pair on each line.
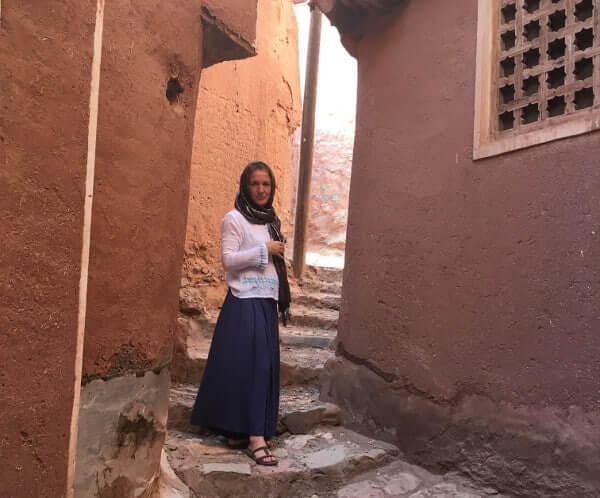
122, 424
525, 451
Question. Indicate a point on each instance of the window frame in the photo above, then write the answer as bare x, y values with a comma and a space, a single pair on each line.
485, 143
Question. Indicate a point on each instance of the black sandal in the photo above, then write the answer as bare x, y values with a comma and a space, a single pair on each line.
262, 460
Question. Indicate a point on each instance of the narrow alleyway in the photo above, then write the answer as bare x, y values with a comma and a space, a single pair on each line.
319, 458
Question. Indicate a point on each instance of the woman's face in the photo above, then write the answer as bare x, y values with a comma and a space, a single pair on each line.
260, 187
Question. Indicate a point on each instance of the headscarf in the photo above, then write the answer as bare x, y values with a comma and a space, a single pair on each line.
265, 215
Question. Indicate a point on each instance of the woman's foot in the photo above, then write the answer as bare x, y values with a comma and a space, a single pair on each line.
261, 456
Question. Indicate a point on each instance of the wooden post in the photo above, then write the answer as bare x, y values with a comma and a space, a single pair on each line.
307, 141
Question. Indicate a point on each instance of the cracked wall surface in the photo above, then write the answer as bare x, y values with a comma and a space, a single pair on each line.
529, 451
468, 279
122, 430
247, 110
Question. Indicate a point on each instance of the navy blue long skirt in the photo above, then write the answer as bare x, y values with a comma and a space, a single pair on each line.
239, 393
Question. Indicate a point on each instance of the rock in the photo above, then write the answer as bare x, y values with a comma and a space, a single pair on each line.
298, 442
191, 301
227, 468
181, 401
302, 365
325, 300
301, 410
402, 483
192, 341
122, 426
403, 479
327, 457
361, 489
302, 421
326, 319
312, 341
169, 485
311, 464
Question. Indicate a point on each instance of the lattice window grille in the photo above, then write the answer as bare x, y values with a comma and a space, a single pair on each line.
548, 62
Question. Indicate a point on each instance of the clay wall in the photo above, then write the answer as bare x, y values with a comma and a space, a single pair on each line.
45, 65
469, 286
247, 110
62, 66
141, 185
148, 88
238, 17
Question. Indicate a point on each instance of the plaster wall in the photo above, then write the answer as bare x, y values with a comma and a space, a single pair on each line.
45, 67
141, 186
144, 144
467, 278
247, 110
238, 16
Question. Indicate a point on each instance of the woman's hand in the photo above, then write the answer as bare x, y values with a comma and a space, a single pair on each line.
275, 248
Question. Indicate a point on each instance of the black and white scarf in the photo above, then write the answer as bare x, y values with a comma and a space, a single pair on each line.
266, 216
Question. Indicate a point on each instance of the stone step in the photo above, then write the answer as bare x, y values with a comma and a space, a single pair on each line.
300, 410
295, 335
319, 462
322, 318
309, 285
403, 480
306, 321
303, 366
311, 341
302, 360
322, 300
323, 273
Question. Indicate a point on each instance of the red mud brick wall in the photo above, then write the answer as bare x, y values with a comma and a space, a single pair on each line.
465, 277
45, 68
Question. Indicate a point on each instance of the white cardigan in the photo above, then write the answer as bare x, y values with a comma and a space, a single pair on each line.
248, 266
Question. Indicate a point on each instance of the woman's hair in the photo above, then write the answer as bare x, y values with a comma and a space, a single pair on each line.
247, 173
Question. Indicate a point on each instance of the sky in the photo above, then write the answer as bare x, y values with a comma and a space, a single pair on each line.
335, 113
336, 89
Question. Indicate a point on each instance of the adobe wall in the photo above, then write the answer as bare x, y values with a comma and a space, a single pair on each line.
470, 288
148, 88
247, 110
238, 17
45, 66
142, 177
143, 143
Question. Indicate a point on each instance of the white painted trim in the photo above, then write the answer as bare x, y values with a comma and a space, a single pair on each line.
86, 237
483, 77
583, 122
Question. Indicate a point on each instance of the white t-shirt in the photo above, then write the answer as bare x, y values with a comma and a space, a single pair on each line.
248, 266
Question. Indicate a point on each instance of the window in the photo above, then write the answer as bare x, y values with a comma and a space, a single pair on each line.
538, 72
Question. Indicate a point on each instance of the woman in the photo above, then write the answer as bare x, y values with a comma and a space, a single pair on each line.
239, 393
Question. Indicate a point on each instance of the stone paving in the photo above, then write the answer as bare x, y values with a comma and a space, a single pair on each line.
318, 458
402, 480
314, 462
